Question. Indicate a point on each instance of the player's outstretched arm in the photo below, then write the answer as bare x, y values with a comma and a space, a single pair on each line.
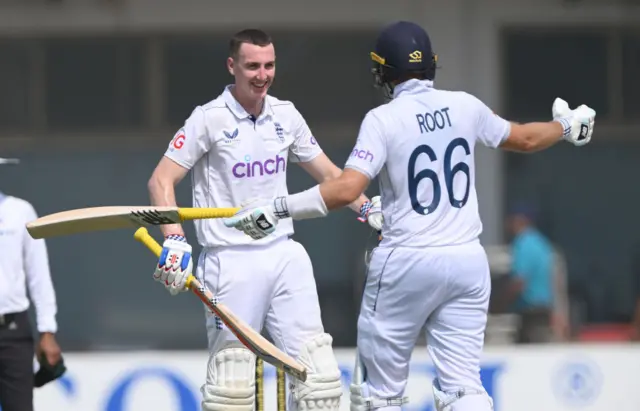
532, 137
345, 190
258, 222
322, 169
575, 126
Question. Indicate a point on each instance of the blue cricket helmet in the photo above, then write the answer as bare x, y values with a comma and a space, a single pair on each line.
402, 49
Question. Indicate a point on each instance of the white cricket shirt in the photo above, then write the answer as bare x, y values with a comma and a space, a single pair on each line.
24, 265
234, 158
421, 144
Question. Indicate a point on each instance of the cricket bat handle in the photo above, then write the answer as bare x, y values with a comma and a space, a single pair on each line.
142, 235
202, 213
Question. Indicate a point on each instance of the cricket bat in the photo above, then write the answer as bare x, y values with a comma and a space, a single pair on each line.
249, 337
83, 220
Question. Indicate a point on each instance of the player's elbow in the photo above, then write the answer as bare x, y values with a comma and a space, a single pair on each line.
349, 194
165, 177
351, 187
344, 190
521, 139
339, 193
528, 144
153, 185
532, 137
157, 185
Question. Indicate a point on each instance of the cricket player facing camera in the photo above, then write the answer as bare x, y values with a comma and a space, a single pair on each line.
429, 268
237, 148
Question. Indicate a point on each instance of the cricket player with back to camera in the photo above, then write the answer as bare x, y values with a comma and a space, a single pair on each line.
238, 147
430, 268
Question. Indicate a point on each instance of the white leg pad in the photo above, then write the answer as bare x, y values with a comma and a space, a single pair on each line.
230, 382
359, 395
461, 400
323, 388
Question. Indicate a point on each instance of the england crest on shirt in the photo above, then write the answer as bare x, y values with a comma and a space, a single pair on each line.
279, 131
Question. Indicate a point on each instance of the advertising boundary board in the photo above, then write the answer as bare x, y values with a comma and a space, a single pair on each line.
586, 377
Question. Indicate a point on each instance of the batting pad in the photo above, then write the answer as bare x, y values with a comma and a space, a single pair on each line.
230, 382
323, 389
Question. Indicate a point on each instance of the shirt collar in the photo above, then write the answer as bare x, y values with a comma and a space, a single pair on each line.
412, 86
237, 109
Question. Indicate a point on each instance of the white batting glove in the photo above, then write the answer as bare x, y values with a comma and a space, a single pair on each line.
371, 212
578, 124
175, 264
256, 221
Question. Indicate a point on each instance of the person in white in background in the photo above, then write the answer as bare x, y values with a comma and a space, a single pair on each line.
24, 273
430, 268
238, 147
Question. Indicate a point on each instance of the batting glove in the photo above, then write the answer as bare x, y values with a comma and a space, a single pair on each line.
175, 264
371, 212
578, 124
256, 221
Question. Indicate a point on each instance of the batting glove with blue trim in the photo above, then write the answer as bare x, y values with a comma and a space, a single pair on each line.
371, 212
175, 264
578, 124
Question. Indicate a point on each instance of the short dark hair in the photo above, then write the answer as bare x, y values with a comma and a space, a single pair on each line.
252, 36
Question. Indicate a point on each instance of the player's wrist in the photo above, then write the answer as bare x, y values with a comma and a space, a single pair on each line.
176, 237
364, 211
565, 123
172, 229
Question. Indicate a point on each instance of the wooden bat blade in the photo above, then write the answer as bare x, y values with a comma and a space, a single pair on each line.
249, 337
85, 220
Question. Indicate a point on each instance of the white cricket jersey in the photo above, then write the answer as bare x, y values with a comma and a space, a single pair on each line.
24, 265
421, 144
234, 157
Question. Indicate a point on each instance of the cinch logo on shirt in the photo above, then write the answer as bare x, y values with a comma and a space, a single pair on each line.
362, 154
258, 168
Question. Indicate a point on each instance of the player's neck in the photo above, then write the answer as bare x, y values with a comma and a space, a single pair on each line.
250, 105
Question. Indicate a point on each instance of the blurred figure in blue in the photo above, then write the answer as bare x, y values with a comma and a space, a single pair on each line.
531, 286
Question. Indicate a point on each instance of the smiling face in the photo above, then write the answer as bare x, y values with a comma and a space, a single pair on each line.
254, 68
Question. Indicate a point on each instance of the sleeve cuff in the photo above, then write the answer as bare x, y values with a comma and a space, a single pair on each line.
303, 205
47, 324
296, 158
178, 161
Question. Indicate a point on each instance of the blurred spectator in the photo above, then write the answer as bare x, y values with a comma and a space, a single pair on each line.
24, 267
530, 291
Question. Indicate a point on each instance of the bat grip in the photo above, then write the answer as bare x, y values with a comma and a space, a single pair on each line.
142, 235
202, 213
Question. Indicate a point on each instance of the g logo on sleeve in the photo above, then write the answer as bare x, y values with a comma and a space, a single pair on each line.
178, 140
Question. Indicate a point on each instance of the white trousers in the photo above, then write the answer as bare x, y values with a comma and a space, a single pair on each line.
445, 289
271, 285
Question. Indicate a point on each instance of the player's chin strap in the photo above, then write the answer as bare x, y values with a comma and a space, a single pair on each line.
359, 392
462, 399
